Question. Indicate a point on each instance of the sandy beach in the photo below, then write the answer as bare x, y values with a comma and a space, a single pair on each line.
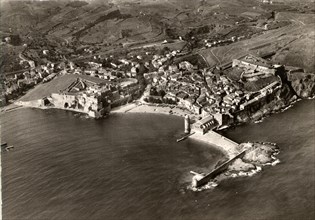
227, 146
151, 108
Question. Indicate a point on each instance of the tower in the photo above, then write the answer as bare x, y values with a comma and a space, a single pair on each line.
187, 124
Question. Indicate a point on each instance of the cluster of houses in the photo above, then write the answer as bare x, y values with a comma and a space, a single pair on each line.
24, 80
222, 42
267, 1
200, 92
127, 67
182, 83
211, 94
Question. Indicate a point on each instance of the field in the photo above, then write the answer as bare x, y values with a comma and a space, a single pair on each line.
105, 26
292, 45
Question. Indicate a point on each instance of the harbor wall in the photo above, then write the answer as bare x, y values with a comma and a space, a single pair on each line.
218, 170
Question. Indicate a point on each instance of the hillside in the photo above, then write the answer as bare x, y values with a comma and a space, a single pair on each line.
67, 27
291, 45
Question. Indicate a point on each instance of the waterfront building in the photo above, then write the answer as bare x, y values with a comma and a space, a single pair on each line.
83, 96
204, 125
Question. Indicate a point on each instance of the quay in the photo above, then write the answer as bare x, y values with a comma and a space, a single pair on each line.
202, 130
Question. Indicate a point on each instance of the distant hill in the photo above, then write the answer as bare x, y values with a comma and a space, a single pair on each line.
113, 23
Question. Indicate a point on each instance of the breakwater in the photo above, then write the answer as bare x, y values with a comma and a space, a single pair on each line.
217, 171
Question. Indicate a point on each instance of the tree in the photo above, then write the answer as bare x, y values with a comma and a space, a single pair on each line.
161, 93
153, 91
15, 40
142, 69
119, 74
106, 64
151, 99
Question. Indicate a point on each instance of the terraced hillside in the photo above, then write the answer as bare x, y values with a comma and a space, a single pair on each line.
291, 45
65, 27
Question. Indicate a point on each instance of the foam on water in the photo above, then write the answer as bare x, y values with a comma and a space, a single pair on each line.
232, 173
209, 186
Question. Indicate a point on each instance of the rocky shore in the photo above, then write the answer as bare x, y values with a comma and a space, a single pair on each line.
295, 87
257, 155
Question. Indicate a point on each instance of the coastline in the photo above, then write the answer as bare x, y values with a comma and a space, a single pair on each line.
11, 107
215, 140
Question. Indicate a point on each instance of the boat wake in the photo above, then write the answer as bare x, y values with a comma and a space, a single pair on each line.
210, 185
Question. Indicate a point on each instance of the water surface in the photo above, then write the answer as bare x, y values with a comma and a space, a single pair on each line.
129, 166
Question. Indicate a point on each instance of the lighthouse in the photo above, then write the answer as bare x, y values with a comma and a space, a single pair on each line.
187, 124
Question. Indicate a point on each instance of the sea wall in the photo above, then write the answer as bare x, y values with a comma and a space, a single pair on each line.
217, 171
59, 102
79, 103
274, 102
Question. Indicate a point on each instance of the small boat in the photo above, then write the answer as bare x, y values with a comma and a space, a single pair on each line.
5, 146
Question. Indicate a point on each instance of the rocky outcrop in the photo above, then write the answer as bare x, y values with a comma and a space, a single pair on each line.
257, 154
272, 103
303, 84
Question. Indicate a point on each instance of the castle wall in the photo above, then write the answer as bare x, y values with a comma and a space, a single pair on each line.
78, 102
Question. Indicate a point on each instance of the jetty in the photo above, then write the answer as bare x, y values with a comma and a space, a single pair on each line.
227, 146
184, 137
201, 180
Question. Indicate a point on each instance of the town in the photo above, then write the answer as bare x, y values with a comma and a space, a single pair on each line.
215, 96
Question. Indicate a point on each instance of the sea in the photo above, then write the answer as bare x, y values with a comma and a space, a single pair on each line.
129, 166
